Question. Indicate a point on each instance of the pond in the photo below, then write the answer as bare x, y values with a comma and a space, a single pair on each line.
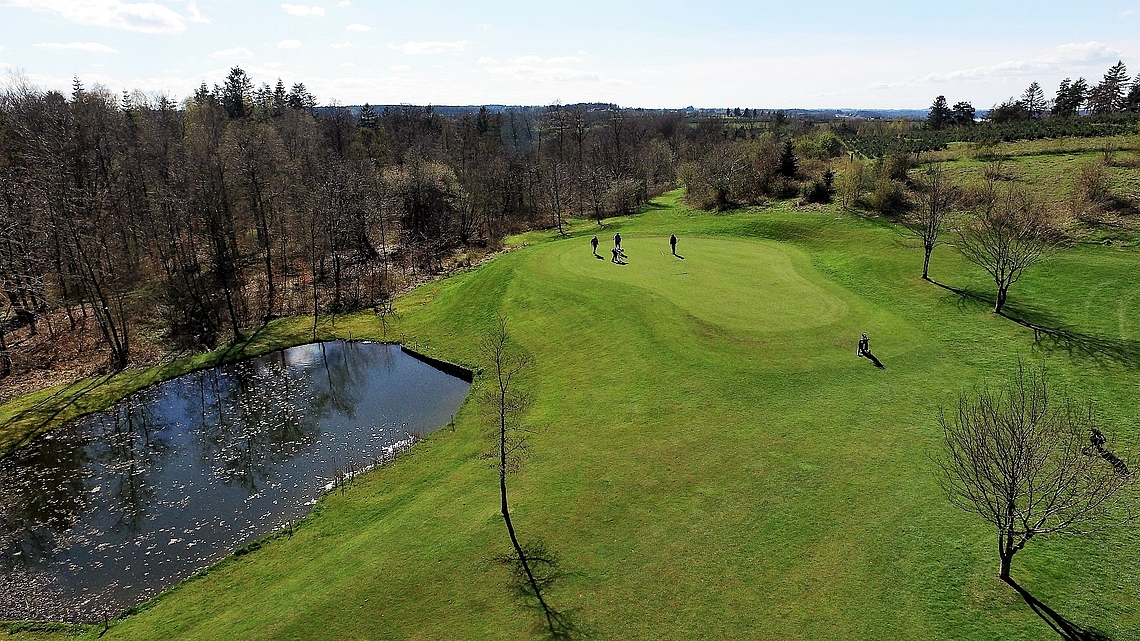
100, 515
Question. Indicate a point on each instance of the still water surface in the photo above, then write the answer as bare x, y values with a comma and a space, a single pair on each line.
100, 515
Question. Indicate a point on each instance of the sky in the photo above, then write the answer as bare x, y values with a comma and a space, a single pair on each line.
667, 53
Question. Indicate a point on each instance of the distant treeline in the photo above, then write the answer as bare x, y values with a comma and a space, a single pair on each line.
198, 221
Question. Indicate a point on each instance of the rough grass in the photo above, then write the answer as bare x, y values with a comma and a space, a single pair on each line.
711, 459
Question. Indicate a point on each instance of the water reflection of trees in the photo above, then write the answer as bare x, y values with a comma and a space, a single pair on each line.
49, 487
256, 415
132, 448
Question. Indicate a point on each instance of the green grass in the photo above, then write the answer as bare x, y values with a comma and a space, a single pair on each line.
711, 459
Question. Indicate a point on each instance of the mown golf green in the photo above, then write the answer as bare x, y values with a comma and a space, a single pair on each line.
710, 458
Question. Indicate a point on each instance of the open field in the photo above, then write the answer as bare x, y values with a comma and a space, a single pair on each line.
711, 459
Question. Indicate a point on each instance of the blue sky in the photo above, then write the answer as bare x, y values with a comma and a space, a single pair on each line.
809, 54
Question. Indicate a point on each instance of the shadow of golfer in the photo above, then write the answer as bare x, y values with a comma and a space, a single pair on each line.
874, 360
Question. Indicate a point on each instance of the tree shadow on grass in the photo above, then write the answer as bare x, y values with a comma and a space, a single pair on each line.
1068, 630
1051, 335
545, 566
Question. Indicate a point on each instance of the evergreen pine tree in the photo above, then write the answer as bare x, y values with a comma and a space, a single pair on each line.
963, 114
236, 94
789, 164
280, 98
939, 114
1109, 95
1132, 100
367, 117
1071, 97
1034, 100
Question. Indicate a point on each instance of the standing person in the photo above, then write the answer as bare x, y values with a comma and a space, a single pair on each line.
673, 243
617, 240
594, 244
614, 251
864, 345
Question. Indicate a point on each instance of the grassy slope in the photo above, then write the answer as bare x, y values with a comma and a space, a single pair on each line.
712, 460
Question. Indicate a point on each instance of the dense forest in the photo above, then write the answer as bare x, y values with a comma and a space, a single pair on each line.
189, 224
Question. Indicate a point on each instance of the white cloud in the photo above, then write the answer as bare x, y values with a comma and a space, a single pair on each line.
1127, 12
289, 44
146, 17
342, 45
485, 60
536, 68
303, 10
91, 47
420, 48
358, 27
344, 3
399, 67
195, 15
1057, 60
232, 54
1088, 53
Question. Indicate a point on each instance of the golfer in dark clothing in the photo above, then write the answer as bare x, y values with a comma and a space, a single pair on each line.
864, 346
614, 251
594, 244
673, 243
617, 241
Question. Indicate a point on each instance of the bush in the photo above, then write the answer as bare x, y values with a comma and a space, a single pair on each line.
819, 190
1092, 184
887, 196
821, 146
852, 182
894, 166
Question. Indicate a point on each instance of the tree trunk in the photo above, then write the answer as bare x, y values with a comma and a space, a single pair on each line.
507, 513
926, 262
1000, 298
5, 358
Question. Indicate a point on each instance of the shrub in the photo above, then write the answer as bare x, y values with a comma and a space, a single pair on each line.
895, 166
887, 196
852, 181
820, 190
1092, 183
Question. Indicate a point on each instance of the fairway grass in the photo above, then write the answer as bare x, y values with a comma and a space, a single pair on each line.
710, 458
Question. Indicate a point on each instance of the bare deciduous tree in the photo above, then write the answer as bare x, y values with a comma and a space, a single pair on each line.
506, 402
937, 197
1008, 233
1031, 466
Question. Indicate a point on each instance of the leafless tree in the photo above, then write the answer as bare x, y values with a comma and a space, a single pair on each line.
1007, 234
1031, 465
507, 403
937, 197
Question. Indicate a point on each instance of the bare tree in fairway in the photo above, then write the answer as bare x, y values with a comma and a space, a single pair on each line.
1032, 465
534, 563
936, 201
1008, 234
